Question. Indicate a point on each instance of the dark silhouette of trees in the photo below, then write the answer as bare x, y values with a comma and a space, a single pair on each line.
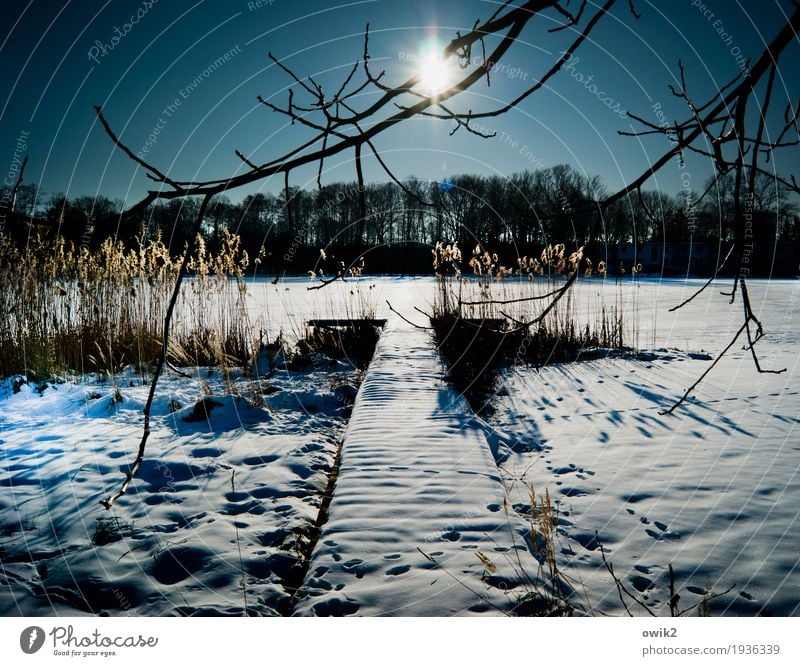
516, 216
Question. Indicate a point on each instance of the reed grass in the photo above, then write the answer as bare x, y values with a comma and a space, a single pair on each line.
528, 314
67, 309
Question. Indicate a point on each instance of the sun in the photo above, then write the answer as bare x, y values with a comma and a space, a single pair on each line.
435, 73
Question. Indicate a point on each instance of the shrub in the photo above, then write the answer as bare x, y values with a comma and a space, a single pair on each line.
526, 314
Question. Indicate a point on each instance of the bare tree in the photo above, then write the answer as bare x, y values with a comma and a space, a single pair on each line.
339, 126
718, 129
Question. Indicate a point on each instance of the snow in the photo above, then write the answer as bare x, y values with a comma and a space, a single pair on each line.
711, 488
244, 477
423, 483
417, 495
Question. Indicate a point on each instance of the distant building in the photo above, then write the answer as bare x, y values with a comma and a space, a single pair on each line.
780, 259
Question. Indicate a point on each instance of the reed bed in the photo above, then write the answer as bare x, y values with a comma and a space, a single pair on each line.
538, 312
67, 309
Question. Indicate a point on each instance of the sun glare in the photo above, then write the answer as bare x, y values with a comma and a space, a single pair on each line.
435, 73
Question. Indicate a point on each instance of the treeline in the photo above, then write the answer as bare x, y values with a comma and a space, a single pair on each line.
516, 214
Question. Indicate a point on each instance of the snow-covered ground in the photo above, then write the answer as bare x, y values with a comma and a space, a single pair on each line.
227, 496
712, 488
231, 499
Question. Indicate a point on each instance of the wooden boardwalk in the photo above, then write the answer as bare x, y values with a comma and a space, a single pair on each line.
417, 497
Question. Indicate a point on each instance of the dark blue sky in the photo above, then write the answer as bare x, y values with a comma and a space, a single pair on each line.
49, 83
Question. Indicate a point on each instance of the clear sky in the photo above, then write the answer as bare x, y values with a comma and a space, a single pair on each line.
58, 58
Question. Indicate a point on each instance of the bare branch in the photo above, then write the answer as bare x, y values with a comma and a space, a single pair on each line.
160, 363
559, 294
707, 371
571, 20
155, 173
15, 189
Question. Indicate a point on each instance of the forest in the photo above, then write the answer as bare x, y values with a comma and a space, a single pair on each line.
517, 215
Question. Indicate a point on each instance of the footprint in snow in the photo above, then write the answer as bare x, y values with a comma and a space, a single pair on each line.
308, 448
206, 453
335, 608
658, 536
641, 583
636, 497
563, 470
357, 567
573, 492
260, 460
397, 571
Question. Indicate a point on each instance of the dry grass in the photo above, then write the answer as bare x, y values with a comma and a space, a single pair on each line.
525, 314
66, 309
547, 591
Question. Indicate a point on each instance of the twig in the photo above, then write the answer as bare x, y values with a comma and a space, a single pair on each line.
162, 360
15, 189
507, 301
674, 597
705, 600
703, 376
521, 325
703, 288
482, 597
620, 586
408, 321
325, 283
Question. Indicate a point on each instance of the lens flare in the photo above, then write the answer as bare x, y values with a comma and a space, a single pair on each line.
435, 73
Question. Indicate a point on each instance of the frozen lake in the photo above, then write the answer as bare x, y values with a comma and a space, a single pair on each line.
711, 489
